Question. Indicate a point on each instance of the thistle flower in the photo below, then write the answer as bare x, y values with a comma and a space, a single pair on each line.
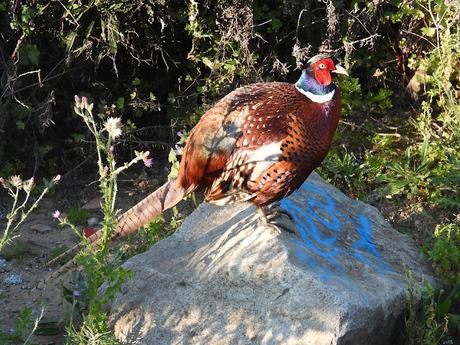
113, 127
77, 101
16, 181
57, 214
85, 105
84, 102
28, 185
105, 171
145, 158
148, 162
5, 183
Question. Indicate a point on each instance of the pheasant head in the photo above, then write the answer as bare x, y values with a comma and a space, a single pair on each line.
316, 79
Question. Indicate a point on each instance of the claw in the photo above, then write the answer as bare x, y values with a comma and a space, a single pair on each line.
276, 218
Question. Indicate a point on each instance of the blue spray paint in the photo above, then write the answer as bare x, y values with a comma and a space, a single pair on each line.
317, 249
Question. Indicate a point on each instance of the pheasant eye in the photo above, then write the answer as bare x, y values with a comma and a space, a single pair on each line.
322, 66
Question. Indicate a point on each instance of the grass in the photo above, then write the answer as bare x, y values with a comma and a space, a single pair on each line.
78, 215
56, 251
19, 251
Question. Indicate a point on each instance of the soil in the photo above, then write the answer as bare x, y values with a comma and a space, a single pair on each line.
40, 236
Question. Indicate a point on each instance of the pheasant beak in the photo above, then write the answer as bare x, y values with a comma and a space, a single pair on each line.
340, 70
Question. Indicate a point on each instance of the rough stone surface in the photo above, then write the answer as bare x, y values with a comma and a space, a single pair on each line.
13, 279
224, 279
93, 221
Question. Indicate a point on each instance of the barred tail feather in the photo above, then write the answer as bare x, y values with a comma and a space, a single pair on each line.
139, 215
148, 208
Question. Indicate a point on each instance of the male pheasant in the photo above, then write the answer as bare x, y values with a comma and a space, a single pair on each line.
259, 144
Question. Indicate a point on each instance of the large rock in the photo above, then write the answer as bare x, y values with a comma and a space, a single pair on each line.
223, 279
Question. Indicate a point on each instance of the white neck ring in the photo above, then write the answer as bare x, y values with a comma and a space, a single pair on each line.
317, 98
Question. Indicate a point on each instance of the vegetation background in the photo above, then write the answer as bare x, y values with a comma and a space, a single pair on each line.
160, 64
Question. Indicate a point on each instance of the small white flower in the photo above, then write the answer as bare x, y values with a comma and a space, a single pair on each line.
113, 127
28, 185
16, 181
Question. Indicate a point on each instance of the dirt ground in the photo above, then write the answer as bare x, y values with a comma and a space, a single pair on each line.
40, 236
23, 263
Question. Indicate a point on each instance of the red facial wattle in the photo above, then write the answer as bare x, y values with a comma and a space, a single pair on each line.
323, 77
322, 71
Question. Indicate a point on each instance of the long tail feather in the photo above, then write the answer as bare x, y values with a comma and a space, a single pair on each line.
153, 205
139, 215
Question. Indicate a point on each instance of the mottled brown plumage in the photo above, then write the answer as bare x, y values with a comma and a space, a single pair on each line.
258, 144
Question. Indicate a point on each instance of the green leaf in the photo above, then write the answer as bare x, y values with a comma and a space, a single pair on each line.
20, 124
77, 137
428, 32
120, 103
208, 62
172, 157
24, 321
454, 319
69, 41
28, 55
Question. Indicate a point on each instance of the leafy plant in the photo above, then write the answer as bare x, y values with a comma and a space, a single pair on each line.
145, 237
445, 253
25, 328
421, 163
424, 324
344, 170
78, 215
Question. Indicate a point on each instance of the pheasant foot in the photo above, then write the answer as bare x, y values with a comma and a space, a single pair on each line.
276, 218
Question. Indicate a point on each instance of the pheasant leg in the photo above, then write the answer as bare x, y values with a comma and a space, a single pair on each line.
277, 218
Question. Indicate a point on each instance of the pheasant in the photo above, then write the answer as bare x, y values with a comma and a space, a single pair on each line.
258, 144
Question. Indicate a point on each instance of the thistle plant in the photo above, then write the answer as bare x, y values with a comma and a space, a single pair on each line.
105, 136
96, 267
22, 206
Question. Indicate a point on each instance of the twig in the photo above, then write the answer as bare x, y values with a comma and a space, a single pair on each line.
12, 92
354, 125
298, 23
359, 21
397, 135
70, 13
88, 158
18, 44
420, 36
387, 126
150, 142
265, 22
352, 43
38, 71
